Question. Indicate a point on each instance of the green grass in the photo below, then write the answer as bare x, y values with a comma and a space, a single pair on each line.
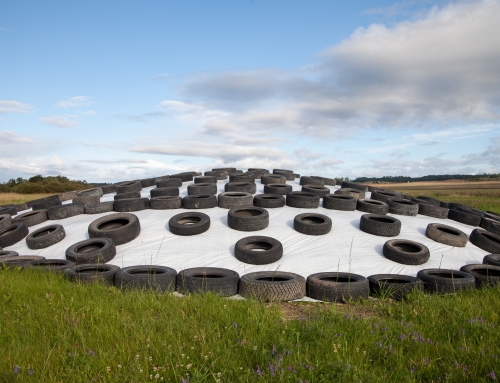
65, 332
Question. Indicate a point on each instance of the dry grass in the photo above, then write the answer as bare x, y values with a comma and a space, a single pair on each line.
16, 198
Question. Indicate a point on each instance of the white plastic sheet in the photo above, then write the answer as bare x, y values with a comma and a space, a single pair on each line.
346, 248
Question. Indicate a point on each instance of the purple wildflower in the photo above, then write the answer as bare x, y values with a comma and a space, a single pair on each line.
492, 375
426, 361
31, 372
379, 344
413, 370
16, 369
235, 325
259, 372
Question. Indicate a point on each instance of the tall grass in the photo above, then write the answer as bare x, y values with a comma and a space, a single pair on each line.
16, 198
54, 331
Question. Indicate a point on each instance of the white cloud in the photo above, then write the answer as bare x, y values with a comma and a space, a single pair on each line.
7, 137
74, 101
90, 112
14, 107
61, 121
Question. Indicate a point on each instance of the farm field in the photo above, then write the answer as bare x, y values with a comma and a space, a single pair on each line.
17, 198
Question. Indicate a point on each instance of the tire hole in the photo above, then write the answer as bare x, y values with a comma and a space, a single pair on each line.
259, 246
44, 233
393, 280
448, 275
189, 220
380, 219
448, 231
146, 272
407, 247
248, 213
313, 220
114, 224
89, 248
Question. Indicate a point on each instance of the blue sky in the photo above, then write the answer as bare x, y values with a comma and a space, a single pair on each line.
108, 91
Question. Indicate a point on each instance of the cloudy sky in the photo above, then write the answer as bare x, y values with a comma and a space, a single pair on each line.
106, 91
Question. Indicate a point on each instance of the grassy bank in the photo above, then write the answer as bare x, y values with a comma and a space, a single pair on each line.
55, 331
16, 198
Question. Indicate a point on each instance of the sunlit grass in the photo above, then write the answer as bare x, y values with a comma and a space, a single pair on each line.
16, 198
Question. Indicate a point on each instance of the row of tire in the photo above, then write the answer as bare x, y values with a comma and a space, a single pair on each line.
274, 285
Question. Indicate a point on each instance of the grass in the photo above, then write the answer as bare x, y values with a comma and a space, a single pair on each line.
56, 331
16, 198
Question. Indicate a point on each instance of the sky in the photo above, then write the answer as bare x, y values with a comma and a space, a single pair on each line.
117, 90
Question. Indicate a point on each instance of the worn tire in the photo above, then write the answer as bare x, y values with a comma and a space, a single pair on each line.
205, 180
165, 203
19, 261
467, 218
358, 194
10, 210
108, 189
382, 195
269, 201
120, 227
132, 204
146, 277
485, 240
272, 286
443, 281
101, 207
372, 206
169, 183
429, 200
231, 200
272, 179
306, 180
90, 192
312, 224
128, 187
168, 191
339, 202
32, 218
45, 204
354, 185
94, 250
316, 189
200, 189
65, 211
190, 223
485, 275
447, 235
381, 225
245, 177
87, 200
302, 200
185, 177
280, 189
249, 218
54, 265
6, 253
490, 225
244, 187
337, 286
12, 234
288, 176
147, 182
203, 279
402, 207
203, 201
227, 170
5, 220
127, 196
45, 237
492, 259
92, 273
221, 176
406, 252
431, 210
393, 286
258, 250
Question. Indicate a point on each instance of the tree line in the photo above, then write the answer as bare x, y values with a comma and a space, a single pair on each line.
40, 184
442, 177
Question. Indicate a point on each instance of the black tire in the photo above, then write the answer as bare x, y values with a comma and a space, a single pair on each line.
330, 181
128, 187
190, 223
245, 187
354, 185
269, 201
485, 240
5, 220
65, 211
381, 225
272, 179
339, 202
444, 204
87, 200
490, 225
199, 189
169, 183
10, 210
372, 206
245, 177
90, 192
278, 171
302, 200
312, 224
169, 191
446, 234
203, 279
305, 180
131, 204
146, 277
5, 253
485, 275
280, 189
12, 234
258, 250
94, 250
227, 170
382, 195
467, 218
165, 203
53, 265
466, 208
288, 176
98, 208
108, 189
492, 259
45, 237
205, 180
429, 200
402, 207
32, 218
231, 200
337, 287
45, 204
358, 194
316, 189
147, 182
258, 170
272, 286
127, 196
92, 273
406, 252
19, 261
204, 201
221, 176
120, 227
443, 281
431, 210
185, 177
249, 218
393, 286
160, 179
492, 215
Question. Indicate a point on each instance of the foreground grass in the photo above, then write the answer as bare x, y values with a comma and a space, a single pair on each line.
16, 198
54, 331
